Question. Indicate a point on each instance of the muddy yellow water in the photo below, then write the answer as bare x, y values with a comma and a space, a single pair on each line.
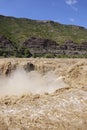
51, 97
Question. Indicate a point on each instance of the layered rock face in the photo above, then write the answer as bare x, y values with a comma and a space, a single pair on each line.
6, 47
40, 47
45, 46
5, 43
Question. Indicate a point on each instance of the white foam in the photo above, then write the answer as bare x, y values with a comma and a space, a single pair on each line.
21, 82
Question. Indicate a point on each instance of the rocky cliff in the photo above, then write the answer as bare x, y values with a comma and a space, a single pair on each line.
41, 46
6, 47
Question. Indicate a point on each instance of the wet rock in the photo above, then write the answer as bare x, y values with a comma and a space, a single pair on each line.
29, 67
7, 68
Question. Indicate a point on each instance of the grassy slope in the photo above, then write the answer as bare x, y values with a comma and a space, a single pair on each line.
18, 30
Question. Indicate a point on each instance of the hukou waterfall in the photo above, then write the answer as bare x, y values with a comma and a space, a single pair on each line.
43, 94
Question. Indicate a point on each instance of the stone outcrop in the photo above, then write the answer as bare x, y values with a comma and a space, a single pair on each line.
45, 46
29, 67
5, 43
40, 47
7, 68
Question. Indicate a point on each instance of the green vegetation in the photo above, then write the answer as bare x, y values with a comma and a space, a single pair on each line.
19, 29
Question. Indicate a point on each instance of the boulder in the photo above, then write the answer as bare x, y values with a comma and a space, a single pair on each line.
29, 67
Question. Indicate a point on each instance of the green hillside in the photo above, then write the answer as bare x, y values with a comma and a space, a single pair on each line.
20, 29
